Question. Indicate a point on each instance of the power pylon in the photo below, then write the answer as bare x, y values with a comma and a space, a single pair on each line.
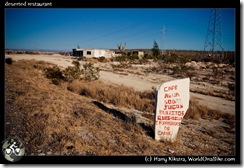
214, 35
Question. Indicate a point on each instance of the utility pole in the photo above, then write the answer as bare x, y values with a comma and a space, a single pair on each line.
163, 31
214, 34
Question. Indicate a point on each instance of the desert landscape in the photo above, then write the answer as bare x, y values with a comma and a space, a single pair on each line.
112, 113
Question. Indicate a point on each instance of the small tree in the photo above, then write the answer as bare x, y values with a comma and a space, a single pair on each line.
155, 50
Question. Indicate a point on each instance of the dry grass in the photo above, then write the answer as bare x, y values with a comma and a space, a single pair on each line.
215, 93
197, 111
58, 122
120, 95
54, 121
115, 94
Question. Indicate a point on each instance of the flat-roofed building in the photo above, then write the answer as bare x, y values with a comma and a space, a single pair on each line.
90, 53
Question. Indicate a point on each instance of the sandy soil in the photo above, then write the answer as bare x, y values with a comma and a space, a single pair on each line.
137, 81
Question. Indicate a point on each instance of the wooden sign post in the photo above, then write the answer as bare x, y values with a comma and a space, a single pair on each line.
172, 102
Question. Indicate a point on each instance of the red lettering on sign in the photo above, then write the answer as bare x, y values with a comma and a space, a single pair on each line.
176, 118
163, 118
172, 107
169, 88
167, 95
179, 113
172, 101
163, 133
166, 128
161, 112
167, 123
171, 95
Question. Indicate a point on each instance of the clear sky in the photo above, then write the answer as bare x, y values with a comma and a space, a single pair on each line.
65, 28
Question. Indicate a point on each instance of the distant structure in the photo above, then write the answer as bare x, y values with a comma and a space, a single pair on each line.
121, 48
139, 53
107, 53
77, 52
90, 53
214, 35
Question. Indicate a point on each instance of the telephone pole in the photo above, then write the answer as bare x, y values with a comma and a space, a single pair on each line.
163, 31
214, 34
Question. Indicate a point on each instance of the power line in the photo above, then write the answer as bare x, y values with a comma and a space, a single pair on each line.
118, 31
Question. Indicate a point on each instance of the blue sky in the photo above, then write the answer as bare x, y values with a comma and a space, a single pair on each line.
65, 28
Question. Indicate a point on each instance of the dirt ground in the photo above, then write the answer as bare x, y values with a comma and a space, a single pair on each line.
137, 79
53, 120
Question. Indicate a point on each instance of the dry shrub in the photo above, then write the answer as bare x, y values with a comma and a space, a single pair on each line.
8, 61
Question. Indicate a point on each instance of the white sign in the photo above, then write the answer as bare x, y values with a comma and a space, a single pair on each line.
172, 104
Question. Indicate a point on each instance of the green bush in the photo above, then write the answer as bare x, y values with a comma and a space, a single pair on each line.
173, 58
133, 57
73, 72
102, 59
54, 73
158, 57
90, 72
129, 53
120, 58
147, 56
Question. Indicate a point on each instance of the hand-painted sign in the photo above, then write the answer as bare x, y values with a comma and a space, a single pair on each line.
171, 105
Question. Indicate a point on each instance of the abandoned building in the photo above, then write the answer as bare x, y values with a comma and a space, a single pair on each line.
96, 53
90, 53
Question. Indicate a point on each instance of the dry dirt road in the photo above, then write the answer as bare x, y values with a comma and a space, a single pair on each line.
138, 82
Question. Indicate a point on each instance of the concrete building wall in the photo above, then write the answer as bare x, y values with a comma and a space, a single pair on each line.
140, 53
109, 54
99, 53
90, 53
